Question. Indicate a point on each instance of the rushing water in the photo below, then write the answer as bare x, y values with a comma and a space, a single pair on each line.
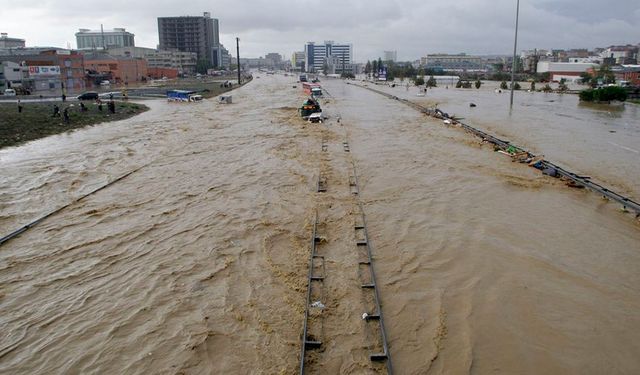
197, 262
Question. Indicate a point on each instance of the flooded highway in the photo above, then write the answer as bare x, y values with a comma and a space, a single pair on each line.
196, 263
593, 140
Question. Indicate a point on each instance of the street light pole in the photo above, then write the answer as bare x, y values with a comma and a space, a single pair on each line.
238, 56
513, 65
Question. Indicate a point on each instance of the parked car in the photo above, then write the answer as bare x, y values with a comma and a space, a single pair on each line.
91, 95
10, 92
105, 83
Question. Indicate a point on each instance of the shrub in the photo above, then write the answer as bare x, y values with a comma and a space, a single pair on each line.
604, 94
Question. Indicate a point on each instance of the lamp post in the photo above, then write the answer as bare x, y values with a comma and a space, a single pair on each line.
513, 65
238, 55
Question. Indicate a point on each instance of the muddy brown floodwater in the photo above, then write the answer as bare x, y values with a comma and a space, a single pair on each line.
197, 262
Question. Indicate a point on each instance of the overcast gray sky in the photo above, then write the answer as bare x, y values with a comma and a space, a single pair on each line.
412, 27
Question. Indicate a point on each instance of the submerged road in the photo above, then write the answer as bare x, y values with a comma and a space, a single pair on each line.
197, 262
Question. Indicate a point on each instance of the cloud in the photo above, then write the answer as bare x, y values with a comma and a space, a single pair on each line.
412, 27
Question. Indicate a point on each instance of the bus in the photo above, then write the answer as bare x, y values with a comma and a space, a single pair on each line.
313, 89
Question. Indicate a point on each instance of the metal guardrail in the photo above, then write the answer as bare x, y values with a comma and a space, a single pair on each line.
24, 228
627, 203
307, 341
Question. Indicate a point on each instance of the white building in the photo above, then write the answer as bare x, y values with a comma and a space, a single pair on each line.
390, 56
316, 55
454, 63
621, 54
569, 71
12, 74
104, 39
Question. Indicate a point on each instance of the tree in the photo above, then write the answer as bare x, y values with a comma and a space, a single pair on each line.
533, 86
325, 68
419, 81
459, 84
585, 78
367, 67
478, 84
503, 85
411, 71
545, 77
604, 94
347, 75
375, 68
432, 82
547, 88
202, 66
516, 86
606, 75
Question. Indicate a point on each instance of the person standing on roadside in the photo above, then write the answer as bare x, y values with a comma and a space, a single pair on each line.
19, 106
64, 98
65, 113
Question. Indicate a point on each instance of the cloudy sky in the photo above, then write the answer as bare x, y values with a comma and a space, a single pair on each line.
412, 27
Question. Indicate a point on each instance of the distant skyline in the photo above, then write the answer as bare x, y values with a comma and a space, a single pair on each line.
413, 27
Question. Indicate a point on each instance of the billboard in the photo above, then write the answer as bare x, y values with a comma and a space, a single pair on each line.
44, 71
382, 74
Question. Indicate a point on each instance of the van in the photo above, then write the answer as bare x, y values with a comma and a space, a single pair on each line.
91, 95
10, 92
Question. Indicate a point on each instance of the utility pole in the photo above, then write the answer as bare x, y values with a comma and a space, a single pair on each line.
513, 65
102, 35
238, 56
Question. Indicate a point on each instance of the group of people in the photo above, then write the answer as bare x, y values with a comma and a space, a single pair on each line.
65, 113
111, 107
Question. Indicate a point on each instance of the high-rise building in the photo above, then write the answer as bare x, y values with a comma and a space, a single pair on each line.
316, 55
104, 39
199, 34
390, 56
297, 60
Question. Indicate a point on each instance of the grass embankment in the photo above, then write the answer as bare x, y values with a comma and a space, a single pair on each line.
634, 101
208, 88
36, 120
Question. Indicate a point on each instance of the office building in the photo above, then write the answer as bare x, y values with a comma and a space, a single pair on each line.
454, 63
199, 34
390, 56
104, 39
182, 62
297, 60
316, 55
